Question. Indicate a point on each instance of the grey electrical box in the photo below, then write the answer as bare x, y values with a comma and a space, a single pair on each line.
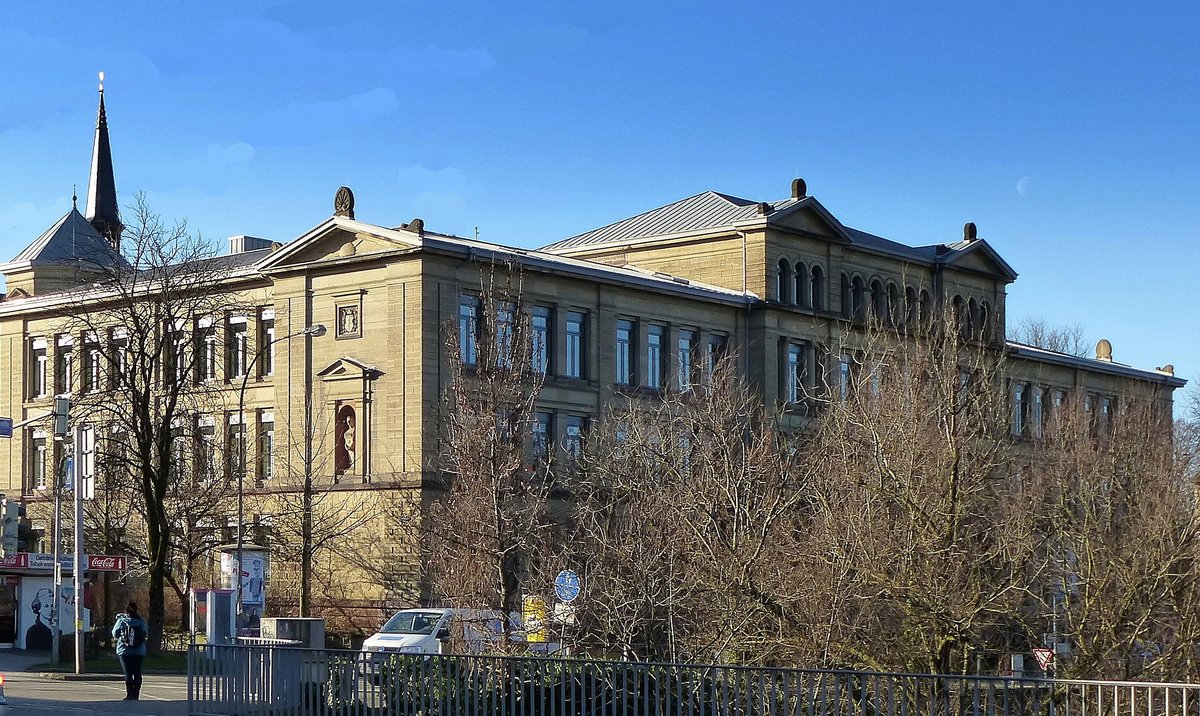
310, 633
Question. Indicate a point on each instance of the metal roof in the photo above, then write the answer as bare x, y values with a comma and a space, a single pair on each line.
707, 210
1042, 355
71, 238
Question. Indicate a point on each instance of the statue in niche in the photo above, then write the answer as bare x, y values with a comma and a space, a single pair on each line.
345, 437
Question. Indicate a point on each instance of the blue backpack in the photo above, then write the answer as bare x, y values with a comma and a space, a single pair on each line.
133, 636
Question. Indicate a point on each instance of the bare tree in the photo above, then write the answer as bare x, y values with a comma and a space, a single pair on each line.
484, 533
1122, 539
686, 519
1036, 332
315, 510
138, 326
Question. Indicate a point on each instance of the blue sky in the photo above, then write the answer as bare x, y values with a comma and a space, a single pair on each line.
1067, 133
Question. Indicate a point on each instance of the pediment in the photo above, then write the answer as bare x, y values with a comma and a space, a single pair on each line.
347, 368
980, 257
338, 239
808, 216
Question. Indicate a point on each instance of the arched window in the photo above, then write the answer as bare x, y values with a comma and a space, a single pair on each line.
986, 331
858, 299
800, 296
816, 287
894, 316
972, 320
878, 300
847, 297
783, 282
925, 310
958, 310
911, 307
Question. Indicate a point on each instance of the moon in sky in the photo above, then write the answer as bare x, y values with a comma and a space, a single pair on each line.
1023, 186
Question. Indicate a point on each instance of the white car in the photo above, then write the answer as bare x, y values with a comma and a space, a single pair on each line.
425, 631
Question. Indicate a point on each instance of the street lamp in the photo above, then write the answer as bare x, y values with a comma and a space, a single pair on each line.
314, 331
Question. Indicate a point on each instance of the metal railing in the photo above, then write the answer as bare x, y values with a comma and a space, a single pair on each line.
280, 681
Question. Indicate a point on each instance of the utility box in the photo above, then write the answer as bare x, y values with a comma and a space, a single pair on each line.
310, 633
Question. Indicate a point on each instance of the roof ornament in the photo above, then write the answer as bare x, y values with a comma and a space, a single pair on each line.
970, 233
74, 198
1104, 350
102, 81
763, 208
1167, 369
343, 202
799, 188
416, 226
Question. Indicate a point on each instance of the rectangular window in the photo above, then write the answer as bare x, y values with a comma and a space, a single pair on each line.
845, 376
118, 359
1020, 409
685, 359
576, 345
714, 351
238, 346
793, 373
573, 438
39, 385
39, 461
540, 322
235, 447
179, 366
468, 330
92, 379
543, 429
64, 369
205, 462
266, 446
1037, 412
623, 352
266, 339
656, 337
503, 338
208, 353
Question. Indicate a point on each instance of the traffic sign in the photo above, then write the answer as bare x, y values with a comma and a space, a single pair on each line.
1045, 657
566, 585
5, 427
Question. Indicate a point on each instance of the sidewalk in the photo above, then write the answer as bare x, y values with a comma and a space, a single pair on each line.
13, 660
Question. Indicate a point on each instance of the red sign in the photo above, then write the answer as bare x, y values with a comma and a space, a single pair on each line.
105, 563
20, 560
1044, 657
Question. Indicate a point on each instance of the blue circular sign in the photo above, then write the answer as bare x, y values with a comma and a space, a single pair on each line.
566, 585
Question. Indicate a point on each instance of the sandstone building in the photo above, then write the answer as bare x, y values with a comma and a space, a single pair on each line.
646, 302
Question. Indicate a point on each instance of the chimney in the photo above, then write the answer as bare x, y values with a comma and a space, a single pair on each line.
241, 244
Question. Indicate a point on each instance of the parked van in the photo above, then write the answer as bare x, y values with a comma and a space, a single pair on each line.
429, 631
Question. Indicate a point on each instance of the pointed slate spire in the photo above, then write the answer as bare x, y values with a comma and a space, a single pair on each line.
102, 209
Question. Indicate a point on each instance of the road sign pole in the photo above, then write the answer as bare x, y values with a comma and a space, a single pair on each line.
77, 480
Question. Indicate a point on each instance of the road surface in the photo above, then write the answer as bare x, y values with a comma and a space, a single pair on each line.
30, 694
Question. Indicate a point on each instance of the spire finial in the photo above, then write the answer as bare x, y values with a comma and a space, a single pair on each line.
101, 81
74, 199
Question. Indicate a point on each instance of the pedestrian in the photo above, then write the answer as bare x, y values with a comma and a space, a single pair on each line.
130, 635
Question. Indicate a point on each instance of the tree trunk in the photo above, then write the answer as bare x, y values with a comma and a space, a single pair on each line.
306, 551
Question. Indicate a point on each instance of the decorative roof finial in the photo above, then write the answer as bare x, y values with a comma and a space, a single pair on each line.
74, 199
799, 188
970, 233
1104, 350
101, 81
343, 202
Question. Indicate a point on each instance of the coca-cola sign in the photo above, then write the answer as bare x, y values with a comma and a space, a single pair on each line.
105, 563
18, 560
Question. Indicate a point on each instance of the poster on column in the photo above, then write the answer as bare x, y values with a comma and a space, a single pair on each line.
35, 603
253, 578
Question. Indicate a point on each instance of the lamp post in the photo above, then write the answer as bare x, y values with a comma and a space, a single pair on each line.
315, 330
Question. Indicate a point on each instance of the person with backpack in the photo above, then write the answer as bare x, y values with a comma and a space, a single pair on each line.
129, 634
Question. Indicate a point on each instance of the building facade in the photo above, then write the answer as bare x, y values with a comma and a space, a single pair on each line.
647, 303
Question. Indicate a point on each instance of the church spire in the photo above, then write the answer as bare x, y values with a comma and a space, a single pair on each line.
102, 209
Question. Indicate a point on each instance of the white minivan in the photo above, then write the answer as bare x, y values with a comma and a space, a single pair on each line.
427, 631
